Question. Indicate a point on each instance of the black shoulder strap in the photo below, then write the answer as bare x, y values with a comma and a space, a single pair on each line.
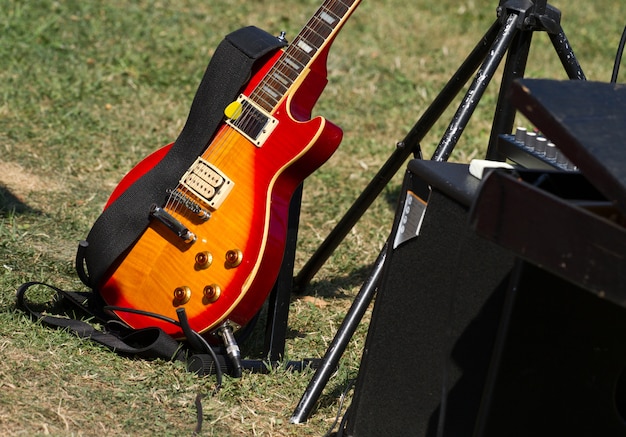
228, 71
147, 343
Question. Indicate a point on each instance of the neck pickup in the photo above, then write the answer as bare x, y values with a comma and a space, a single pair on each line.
250, 120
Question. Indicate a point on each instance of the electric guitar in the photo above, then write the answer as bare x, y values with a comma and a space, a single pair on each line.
215, 246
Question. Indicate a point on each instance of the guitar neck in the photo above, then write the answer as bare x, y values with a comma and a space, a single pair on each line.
300, 54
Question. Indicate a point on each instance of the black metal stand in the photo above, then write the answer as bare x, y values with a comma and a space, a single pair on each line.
516, 21
279, 299
278, 310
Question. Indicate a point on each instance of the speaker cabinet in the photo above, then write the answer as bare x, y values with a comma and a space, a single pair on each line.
435, 315
467, 340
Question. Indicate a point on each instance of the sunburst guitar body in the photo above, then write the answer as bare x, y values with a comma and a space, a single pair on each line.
216, 245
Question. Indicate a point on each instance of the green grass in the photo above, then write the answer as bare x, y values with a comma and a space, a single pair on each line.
87, 89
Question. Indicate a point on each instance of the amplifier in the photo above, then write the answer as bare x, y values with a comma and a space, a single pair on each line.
468, 339
435, 314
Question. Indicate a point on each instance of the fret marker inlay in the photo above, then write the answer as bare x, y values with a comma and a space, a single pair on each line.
304, 46
293, 65
327, 17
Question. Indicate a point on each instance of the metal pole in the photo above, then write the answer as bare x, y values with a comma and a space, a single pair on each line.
477, 89
409, 145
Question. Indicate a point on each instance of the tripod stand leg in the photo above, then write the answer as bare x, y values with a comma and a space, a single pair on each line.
514, 69
566, 55
339, 343
477, 89
409, 145
366, 293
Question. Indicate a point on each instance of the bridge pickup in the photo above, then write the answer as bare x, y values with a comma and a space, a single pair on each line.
207, 183
172, 224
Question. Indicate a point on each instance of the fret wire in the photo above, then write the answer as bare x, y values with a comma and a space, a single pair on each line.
263, 101
321, 29
314, 37
292, 62
335, 12
282, 78
288, 73
282, 70
272, 93
301, 56
338, 8
270, 100
327, 28
347, 5
275, 85
304, 42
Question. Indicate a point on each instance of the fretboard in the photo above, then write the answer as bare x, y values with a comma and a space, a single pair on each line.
317, 33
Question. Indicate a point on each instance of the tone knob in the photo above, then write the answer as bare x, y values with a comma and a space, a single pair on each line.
212, 293
233, 258
181, 295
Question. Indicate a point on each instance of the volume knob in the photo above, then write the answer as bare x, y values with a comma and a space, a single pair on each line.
212, 293
203, 259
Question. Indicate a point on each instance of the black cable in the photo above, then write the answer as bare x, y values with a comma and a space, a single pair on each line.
141, 313
196, 340
232, 348
618, 57
199, 415
199, 338
342, 399
187, 331
218, 369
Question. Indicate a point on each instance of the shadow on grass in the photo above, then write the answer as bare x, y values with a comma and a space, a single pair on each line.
255, 343
338, 287
10, 204
333, 288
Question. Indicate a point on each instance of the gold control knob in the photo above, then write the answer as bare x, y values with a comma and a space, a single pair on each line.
233, 258
203, 260
181, 295
212, 293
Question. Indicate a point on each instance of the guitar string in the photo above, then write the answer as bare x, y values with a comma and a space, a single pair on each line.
217, 150
243, 122
281, 63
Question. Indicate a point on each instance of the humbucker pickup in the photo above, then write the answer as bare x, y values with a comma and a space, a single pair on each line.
251, 121
207, 182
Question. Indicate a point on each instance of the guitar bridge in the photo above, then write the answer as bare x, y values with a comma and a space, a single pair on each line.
172, 224
177, 197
